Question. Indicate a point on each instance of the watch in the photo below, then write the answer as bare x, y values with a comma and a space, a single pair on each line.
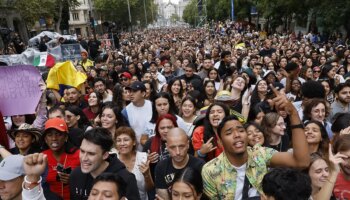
297, 126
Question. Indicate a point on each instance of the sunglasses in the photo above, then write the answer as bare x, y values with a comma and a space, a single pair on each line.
317, 71
124, 79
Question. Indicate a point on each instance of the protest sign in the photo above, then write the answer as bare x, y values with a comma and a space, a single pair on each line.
20, 92
71, 52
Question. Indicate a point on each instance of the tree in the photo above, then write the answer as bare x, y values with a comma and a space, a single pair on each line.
190, 13
117, 11
33, 10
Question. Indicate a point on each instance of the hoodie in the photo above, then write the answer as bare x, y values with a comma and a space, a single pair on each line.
81, 184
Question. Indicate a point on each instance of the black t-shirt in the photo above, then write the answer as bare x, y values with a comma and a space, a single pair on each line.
165, 172
283, 146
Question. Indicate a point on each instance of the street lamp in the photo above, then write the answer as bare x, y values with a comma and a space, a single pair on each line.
129, 15
144, 6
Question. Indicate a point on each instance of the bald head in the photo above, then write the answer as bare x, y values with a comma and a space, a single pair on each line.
177, 133
178, 145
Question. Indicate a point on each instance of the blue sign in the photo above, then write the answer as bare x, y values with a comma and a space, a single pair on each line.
71, 51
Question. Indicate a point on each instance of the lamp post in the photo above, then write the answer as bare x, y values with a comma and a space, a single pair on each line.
129, 15
232, 10
144, 6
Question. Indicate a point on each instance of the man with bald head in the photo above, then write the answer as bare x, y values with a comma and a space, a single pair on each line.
177, 146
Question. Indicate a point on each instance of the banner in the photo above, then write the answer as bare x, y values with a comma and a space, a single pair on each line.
20, 92
71, 52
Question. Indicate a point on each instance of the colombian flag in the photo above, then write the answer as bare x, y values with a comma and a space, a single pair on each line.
64, 75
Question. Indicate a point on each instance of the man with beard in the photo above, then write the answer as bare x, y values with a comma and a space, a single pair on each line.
237, 173
100, 86
342, 101
177, 145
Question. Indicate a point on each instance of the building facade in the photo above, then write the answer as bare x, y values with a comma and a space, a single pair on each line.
79, 21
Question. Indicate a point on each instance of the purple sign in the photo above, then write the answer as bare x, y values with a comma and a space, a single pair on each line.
20, 92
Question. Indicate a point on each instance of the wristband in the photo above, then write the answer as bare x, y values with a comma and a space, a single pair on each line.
296, 126
32, 183
199, 154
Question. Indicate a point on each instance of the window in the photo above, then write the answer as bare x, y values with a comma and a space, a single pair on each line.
75, 16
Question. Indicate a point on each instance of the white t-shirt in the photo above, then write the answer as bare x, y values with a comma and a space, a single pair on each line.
138, 118
240, 184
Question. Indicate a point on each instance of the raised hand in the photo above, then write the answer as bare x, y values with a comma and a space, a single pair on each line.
281, 102
153, 157
207, 147
336, 159
144, 167
34, 165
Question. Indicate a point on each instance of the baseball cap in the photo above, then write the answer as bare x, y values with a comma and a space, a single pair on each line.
137, 85
126, 75
56, 123
11, 167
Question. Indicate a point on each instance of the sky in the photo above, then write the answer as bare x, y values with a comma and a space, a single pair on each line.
173, 1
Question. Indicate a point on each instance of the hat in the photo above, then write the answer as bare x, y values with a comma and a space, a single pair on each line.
322, 50
269, 72
126, 75
11, 167
56, 123
104, 68
137, 85
84, 52
27, 129
248, 71
223, 95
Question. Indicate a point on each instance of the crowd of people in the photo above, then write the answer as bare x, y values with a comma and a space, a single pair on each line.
223, 112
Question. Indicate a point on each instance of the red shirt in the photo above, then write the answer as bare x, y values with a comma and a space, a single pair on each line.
342, 187
197, 142
67, 160
89, 114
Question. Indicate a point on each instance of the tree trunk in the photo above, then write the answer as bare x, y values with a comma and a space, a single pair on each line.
58, 23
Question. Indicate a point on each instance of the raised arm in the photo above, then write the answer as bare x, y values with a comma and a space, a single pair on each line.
300, 157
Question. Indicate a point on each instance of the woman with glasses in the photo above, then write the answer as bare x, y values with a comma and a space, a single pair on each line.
317, 109
274, 127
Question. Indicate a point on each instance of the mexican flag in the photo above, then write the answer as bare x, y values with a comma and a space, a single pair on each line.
44, 59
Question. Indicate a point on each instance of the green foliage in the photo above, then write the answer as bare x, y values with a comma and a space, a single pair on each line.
190, 14
33, 10
117, 11
330, 14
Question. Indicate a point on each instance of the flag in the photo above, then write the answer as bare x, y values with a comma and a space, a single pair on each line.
44, 59
64, 75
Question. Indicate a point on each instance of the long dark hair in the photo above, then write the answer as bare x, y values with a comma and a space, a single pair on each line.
117, 113
118, 90
83, 121
208, 129
323, 146
255, 94
171, 83
172, 106
191, 177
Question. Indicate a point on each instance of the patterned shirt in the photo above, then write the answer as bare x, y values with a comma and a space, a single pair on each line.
219, 175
